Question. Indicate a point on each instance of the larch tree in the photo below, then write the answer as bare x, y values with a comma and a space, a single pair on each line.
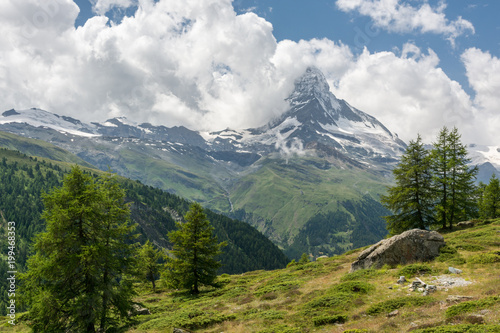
149, 263
490, 203
75, 277
194, 251
411, 199
453, 179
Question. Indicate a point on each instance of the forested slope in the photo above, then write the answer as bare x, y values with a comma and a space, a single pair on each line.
24, 179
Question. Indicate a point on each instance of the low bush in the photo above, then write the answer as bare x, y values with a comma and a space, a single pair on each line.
338, 300
470, 247
470, 306
325, 320
282, 286
484, 258
414, 269
396, 303
464, 328
357, 287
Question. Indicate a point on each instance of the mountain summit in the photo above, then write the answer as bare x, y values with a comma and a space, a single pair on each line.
317, 118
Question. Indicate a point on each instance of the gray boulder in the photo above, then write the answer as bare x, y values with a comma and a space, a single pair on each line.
411, 246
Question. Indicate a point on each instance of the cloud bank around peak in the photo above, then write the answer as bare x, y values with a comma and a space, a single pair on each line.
199, 64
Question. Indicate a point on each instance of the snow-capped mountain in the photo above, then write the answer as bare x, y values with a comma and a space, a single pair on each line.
316, 116
42, 119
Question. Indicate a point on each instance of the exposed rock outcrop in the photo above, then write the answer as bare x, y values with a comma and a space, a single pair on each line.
411, 246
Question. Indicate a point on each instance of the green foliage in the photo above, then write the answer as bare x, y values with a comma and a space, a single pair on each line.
337, 301
450, 255
148, 263
414, 269
280, 286
397, 303
195, 250
356, 330
489, 199
357, 287
188, 319
463, 328
453, 179
325, 320
485, 258
304, 259
411, 199
470, 306
77, 271
432, 188
470, 247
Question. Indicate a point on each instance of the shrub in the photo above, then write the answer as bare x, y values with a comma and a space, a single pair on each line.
396, 303
282, 286
470, 306
414, 269
470, 247
465, 328
338, 300
357, 287
325, 320
485, 258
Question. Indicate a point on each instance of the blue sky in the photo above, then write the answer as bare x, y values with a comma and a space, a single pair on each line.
416, 65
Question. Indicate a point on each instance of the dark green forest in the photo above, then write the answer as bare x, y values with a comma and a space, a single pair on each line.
24, 179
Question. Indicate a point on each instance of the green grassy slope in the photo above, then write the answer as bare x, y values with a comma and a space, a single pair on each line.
282, 197
323, 297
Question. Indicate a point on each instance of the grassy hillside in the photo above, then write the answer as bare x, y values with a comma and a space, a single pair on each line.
322, 296
288, 199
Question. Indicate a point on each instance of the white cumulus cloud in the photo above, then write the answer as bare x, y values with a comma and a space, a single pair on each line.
483, 73
402, 17
199, 64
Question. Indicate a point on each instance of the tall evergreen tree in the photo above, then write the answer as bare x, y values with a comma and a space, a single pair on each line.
148, 263
453, 179
441, 175
490, 205
75, 278
411, 199
195, 250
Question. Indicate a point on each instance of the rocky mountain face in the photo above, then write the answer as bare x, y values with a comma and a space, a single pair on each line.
309, 179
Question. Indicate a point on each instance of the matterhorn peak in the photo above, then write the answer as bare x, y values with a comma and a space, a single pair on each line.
312, 81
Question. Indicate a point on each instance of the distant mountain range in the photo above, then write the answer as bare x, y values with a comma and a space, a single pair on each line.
310, 179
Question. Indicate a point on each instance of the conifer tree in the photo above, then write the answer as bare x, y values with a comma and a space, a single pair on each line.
453, 179
75, 278
148, 263
441, 175
194, 252
490, 205
411, 199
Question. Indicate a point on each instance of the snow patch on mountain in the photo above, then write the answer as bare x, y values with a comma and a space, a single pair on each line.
40, 118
